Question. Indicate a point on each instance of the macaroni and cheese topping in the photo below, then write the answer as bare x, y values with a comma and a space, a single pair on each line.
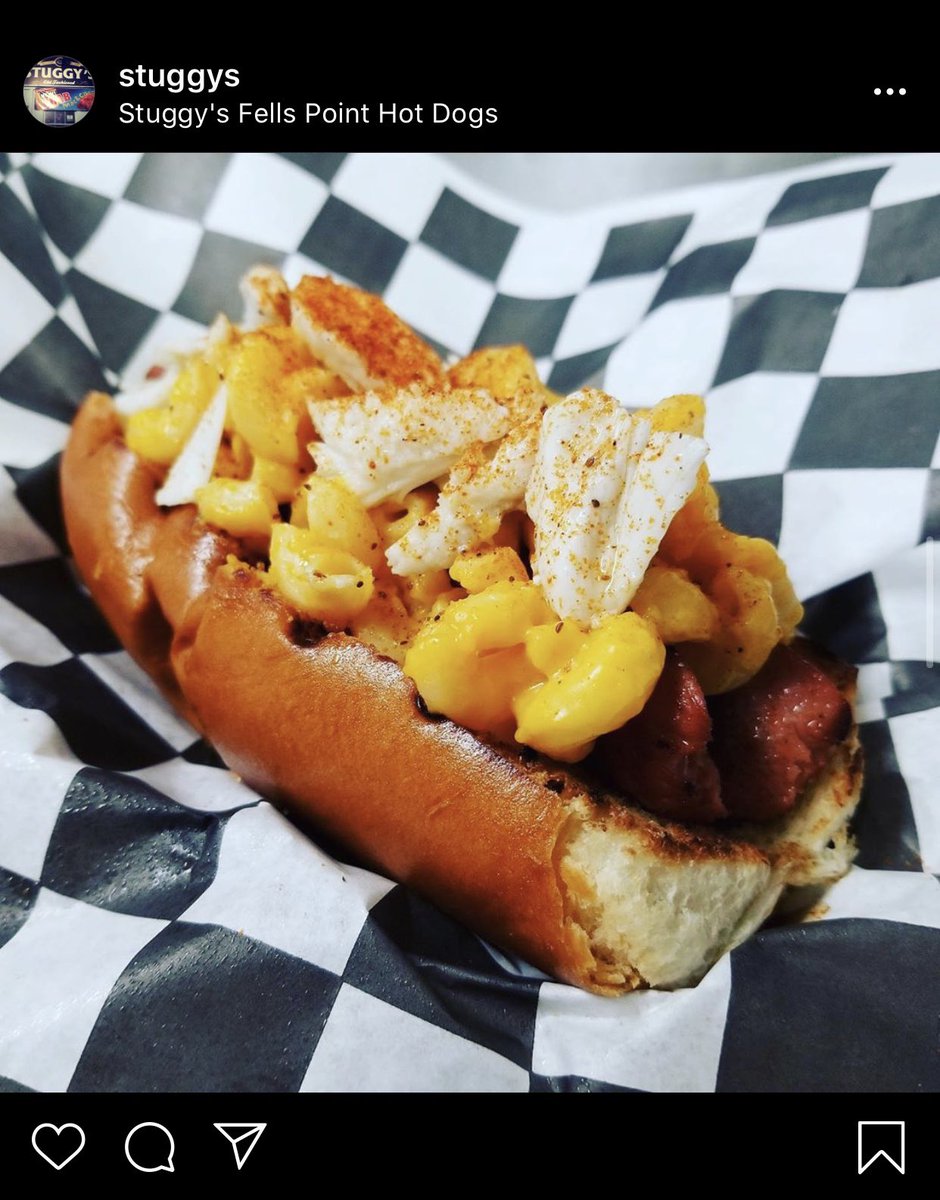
525, 557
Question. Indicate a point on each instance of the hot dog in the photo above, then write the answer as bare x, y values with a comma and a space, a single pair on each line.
521, 820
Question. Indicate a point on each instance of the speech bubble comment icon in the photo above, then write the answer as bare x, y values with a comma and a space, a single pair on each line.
153, 1147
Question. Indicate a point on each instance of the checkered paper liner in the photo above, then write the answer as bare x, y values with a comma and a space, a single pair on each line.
164, 929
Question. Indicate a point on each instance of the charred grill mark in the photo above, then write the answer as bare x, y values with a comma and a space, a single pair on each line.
306, 634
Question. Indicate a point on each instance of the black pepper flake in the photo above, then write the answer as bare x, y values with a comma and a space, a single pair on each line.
595, 503
360, 583
589, 462
422, 523
559, 626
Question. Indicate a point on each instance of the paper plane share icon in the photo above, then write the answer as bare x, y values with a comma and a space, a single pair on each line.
243, 1137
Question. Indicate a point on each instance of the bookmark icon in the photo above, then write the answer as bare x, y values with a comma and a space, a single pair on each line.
881, 1139
243, 1138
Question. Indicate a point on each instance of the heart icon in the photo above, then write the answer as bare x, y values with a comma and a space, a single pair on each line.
57, 1153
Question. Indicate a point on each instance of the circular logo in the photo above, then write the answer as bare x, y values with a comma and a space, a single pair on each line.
59, 90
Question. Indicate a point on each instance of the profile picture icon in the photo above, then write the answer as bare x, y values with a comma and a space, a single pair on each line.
59, 90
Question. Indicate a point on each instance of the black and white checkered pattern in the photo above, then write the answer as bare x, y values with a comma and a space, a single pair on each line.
163, 929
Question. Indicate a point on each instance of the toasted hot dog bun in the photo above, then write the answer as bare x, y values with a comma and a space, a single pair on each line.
534, 858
